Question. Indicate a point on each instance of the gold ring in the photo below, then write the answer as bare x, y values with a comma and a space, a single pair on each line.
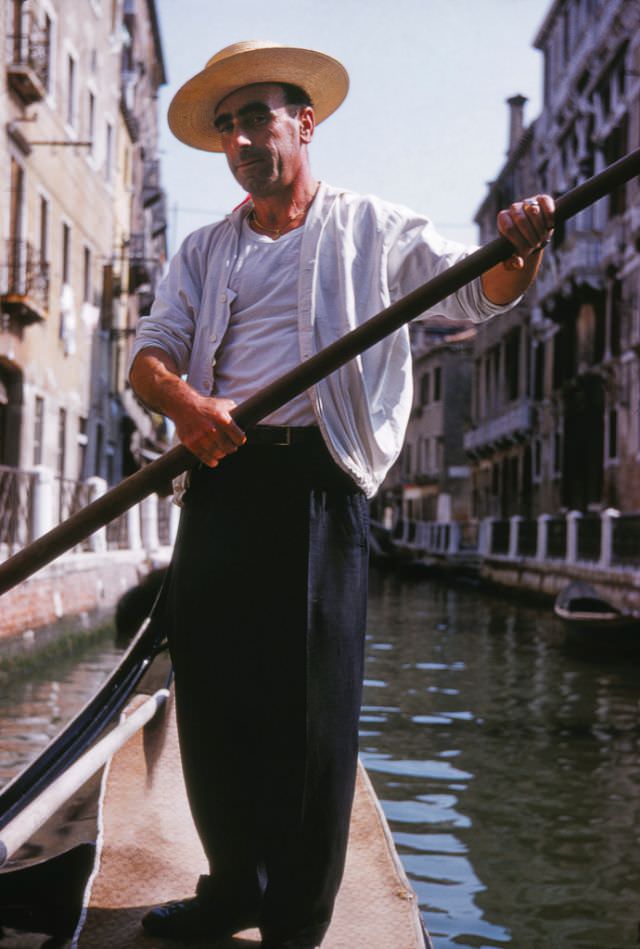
530, 204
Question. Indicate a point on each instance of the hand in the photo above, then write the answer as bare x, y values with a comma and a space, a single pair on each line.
205, 426
528, 225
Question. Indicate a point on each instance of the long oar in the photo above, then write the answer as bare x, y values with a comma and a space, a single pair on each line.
137, 486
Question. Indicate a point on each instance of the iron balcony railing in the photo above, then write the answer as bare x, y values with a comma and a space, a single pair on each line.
28, 58
27, 275
16, 508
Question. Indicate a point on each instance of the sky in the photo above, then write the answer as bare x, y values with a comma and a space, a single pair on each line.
425, 123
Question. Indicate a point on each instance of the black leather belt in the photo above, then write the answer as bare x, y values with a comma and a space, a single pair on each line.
283, 436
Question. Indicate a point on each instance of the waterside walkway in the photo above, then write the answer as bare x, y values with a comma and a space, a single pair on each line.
539, 555
81, 588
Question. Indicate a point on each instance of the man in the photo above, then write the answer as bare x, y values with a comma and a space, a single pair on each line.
267, 591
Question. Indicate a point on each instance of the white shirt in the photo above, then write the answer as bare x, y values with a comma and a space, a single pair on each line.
261, 342
358, 254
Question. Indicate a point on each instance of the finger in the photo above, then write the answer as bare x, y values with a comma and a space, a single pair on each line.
529, 221
547, 210
513, 225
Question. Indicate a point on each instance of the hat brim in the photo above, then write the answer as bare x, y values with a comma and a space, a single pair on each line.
192, 109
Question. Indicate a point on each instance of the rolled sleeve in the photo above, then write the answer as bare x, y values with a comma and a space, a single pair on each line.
170, 325
418, 253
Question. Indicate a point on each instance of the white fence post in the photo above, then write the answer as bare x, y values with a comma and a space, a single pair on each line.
97, 540
572, 536
514, 525
542, 538
606, 536
484, 536
134, 536
149, 523
454, 537
43, 501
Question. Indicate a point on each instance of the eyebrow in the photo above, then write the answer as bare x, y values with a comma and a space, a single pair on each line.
225, 117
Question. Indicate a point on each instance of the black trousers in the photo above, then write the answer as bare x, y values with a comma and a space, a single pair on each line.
268, 603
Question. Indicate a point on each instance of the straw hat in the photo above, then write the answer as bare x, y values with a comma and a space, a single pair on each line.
192, 109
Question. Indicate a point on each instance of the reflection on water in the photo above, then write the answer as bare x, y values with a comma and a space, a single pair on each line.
508, 768
34, 709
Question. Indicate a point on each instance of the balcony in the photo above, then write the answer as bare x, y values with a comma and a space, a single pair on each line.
26, 285
139, 261
28, 66
151, 188
581, 261
511, 426
159, 215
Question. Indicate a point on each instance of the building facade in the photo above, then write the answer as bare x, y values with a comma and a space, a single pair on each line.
556, 384
430, 480
78, 127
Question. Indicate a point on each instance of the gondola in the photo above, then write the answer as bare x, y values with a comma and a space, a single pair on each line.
125, 840
42, 877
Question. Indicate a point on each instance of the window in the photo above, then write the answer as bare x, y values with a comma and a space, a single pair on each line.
437, 384
71, 91
537, 458
425, 389
426, 455
612, 440
48, 53
557, 453
62, 443
43, 230
97, 462
86, 275
38, 430
513, 363
406, 461
82, 447
108, 156
66, 253
91, 120
539, 352
615, 327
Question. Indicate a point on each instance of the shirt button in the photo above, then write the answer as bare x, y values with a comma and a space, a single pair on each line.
213, 338
223, 298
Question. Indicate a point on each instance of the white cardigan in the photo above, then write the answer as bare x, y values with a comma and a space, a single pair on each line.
358, 255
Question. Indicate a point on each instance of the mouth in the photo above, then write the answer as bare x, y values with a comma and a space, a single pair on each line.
248, 163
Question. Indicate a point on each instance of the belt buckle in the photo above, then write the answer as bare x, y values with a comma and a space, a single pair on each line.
285, 441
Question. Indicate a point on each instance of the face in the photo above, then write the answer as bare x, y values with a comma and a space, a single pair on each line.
263, 139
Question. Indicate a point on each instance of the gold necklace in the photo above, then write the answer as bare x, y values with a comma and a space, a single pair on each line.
277, 231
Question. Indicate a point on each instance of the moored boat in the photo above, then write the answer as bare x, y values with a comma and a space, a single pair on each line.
582, 608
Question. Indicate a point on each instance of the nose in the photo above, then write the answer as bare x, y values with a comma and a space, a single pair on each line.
239, 136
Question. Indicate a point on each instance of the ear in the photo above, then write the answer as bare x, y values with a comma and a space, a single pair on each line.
307, 123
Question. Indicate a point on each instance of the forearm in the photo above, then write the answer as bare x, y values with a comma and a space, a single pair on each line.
505, 282
155, 379
203, 424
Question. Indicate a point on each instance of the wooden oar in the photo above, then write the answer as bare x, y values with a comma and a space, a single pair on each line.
137, 486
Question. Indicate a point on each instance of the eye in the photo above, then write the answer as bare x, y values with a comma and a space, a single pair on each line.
257, 120
224, 126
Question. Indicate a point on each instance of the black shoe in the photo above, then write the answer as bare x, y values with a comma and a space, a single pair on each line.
198, 916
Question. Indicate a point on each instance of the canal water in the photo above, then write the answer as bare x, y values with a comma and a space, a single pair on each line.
507, 761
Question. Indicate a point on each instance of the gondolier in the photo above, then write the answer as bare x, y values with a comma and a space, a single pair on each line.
266, 600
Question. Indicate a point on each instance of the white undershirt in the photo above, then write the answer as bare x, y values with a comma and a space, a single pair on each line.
262, 341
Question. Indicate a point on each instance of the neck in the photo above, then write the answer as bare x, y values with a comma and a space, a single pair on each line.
285, 210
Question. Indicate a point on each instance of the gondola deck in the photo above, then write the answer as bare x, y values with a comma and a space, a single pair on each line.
149, 852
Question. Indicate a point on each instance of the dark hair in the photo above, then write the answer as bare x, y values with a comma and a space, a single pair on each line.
294, 95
